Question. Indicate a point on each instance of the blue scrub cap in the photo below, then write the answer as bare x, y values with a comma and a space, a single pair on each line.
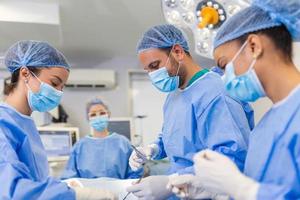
262, 14
29, 53
162, 36
95, 101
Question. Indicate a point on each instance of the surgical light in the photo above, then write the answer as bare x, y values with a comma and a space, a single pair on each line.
202, 17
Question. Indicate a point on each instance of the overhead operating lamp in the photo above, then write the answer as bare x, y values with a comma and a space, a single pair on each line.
202, 17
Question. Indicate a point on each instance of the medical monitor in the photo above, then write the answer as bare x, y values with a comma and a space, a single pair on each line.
122, 126
58, 141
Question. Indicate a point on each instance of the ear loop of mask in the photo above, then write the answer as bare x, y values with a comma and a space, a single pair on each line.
179, 65
35, 76
169, 56
26, 81
238, 53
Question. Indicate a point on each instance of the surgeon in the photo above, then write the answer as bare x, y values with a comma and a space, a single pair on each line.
103, 153
254, 47
197, 113
249, 112
38, 75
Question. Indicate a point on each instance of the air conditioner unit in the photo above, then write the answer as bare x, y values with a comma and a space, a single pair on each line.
91, 78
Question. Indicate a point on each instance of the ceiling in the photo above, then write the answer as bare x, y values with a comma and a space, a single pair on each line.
106, 28
90, 31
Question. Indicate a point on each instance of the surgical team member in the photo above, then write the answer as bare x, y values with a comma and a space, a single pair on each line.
255, 49
249, 112
197, 112
104, 153
38, 74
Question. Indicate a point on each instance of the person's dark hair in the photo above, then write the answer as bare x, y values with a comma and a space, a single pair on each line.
168, 50
280, 37
11, 83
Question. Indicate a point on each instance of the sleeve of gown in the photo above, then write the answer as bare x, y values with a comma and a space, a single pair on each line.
219, 131
285, 191
161, 150
17, 183
249, 114
70, 170
187, 170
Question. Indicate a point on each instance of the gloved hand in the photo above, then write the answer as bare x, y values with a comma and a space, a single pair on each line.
151, 188
136, 161
188, 186
73, 182
217, 173
93, 194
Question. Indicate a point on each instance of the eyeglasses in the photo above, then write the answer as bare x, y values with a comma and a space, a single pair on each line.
100, 113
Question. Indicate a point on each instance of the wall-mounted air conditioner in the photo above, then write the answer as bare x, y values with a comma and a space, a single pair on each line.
91, 78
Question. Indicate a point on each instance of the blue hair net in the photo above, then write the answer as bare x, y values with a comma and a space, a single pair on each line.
162, 36
95, 101
261, 15
286, 12
30, 53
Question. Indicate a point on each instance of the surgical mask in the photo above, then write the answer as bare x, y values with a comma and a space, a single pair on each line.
99, 123
163, 81
245, 87
46, 99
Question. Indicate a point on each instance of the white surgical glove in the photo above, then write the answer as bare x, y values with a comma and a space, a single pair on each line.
217, 173
136, 161
188, 186
73, 182
151, 188
93, 194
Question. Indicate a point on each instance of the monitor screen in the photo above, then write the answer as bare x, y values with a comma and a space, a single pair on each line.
56, 143
122, 127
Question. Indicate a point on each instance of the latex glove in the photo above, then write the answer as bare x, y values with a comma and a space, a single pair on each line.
73, 182
217, 173
187, 186
136, 161
151, 188
93, 194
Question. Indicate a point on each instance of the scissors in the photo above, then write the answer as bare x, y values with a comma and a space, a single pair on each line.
140, 154
144, 170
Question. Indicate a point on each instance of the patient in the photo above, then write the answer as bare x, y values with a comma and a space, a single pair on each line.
103, 153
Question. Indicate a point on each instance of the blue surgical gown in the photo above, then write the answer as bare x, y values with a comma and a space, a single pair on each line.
249, 112
23, 161
246, 106
202, 116
274, 150
101, 157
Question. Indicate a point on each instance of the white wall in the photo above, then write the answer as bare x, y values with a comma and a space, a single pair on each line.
74, 100
147, 101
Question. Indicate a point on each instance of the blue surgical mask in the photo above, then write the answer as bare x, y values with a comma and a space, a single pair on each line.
46, 99
99, 123
245, 87
163, 81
